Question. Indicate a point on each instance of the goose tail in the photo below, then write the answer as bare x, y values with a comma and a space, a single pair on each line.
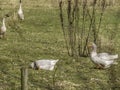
114, 56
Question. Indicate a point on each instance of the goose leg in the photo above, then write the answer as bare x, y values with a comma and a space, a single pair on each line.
99, 66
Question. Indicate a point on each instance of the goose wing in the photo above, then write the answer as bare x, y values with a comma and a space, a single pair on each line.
107, 56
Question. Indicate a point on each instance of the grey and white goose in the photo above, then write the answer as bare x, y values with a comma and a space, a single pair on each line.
20, 12
102, 60
46, 64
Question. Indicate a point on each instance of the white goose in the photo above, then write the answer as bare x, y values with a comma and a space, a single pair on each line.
43, 64
103, 60
3, 29
20, 12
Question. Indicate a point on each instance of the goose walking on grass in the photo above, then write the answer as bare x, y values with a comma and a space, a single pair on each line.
102, 60
3, 29
43, 64
20, 12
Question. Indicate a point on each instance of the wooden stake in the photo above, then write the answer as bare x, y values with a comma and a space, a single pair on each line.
24, 78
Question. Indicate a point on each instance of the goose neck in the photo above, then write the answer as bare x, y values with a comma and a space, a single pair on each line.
3, 21
20, 5
94, 50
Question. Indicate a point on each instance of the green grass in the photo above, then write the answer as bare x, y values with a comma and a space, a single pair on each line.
40, 36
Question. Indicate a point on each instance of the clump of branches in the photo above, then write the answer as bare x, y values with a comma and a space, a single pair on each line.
70, 33
82, 25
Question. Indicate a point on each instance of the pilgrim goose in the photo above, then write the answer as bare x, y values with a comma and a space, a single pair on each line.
103, 60
20, 12
43, 64
3, 29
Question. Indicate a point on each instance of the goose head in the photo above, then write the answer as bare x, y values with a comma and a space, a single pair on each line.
93, 48
33, 66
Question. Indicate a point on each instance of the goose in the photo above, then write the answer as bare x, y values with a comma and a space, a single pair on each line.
43, 64
102, 60
20, 12
3, 29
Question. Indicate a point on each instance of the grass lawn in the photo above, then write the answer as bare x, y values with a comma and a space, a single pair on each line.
40, 36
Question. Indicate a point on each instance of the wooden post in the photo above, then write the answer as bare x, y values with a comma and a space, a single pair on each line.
24, 78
